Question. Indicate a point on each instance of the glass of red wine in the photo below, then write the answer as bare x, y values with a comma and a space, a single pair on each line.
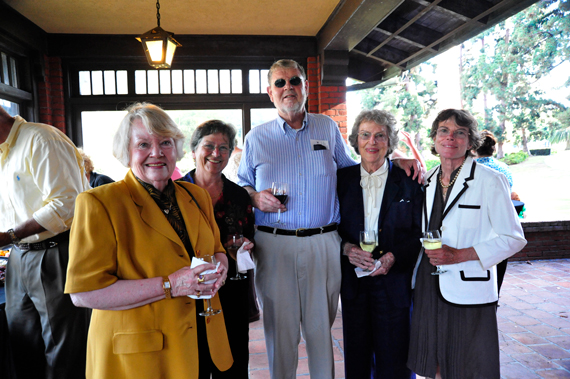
281, 191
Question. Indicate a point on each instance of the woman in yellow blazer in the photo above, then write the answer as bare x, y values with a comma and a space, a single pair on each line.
130, 252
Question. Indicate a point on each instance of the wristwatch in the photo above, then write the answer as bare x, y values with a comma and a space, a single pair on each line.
13, 236
167, 287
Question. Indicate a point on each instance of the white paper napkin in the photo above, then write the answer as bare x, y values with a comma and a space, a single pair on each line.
197, 262
244, 261
361, 273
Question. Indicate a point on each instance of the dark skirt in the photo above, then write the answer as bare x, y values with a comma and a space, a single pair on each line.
462, 340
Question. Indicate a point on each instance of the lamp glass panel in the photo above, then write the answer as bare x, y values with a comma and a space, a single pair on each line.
170, 49
155, 50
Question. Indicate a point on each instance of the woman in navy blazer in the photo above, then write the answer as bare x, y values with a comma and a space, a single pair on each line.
377, 195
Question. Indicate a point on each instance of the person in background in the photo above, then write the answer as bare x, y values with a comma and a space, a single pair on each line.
485, 154
376, 195
95, 180
454, 322
41, 173
212, 144
132, 243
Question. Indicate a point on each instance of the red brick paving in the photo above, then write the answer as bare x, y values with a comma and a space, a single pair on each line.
533, 317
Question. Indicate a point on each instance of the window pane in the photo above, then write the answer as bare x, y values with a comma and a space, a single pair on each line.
237, 86
201, 82
14, 72
13, 109
84, 83
189, 86
253, 81
164, 81
152, 81
122, 82
264, 83
177, 81
97, 80
213, 81
261, 115
225, 81
5, 69
110, 83
98, 129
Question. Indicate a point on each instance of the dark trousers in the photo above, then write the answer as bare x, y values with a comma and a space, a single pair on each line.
48, 334
375, 334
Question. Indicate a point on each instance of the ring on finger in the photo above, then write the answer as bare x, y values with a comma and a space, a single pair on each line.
200, 278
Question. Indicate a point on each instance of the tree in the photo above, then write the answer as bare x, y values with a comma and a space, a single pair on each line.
561, 128
517, 53
410, 97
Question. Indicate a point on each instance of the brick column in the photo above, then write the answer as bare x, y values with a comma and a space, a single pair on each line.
330, 101
50, 94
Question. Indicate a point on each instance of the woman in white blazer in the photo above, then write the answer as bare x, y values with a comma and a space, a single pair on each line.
454, 324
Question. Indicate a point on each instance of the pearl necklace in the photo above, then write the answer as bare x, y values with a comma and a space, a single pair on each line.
453, 181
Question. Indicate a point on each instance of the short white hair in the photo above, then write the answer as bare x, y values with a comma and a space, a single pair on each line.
155, 120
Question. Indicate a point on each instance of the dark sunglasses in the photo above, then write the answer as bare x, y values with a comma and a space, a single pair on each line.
295, 81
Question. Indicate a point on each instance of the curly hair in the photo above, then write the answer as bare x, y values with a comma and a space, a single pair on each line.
380, 117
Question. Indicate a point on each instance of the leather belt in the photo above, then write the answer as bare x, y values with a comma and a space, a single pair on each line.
301, 232
44, 245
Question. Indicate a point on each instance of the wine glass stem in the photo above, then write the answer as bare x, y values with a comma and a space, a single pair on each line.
279, 215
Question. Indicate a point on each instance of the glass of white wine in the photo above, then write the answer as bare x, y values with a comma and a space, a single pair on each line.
431, 241
209, 311
368, 240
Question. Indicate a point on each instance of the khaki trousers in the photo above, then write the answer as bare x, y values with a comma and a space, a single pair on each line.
298, 283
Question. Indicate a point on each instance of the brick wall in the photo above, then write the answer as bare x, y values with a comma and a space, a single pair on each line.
546, 240
50, 94
330, 101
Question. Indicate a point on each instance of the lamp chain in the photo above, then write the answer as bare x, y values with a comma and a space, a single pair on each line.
158, 12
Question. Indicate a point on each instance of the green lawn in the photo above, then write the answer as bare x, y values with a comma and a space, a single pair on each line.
543, 184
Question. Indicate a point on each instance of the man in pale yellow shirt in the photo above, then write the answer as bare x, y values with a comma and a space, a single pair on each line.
42, 173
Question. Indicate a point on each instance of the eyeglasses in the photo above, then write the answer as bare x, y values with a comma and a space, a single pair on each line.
223, 149
458, 134
378, 137
295, 81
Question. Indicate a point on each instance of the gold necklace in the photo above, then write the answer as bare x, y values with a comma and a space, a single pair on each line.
453, 181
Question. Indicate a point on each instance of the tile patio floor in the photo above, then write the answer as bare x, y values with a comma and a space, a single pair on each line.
534, 326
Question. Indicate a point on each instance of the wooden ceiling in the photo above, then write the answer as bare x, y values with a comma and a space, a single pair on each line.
368, 40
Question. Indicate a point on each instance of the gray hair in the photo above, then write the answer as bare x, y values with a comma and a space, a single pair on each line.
156, 122
382, 118
285, 63
462, 118
213, 127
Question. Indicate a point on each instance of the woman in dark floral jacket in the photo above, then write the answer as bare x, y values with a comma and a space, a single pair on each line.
212, 144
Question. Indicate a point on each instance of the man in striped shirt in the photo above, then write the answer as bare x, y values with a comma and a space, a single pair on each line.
298, 261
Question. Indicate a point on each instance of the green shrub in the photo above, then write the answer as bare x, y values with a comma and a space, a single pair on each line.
515, 158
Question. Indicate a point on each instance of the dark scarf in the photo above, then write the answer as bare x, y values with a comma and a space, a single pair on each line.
166, 201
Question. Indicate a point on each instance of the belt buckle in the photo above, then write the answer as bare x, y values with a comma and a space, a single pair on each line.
299, 230
51, 244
